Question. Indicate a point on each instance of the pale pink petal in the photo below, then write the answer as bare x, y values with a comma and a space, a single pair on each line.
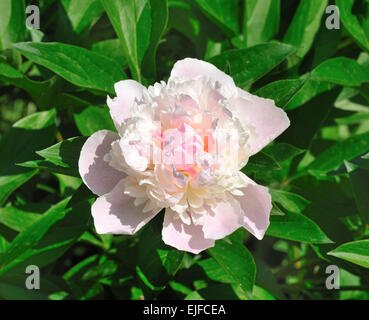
183, 237
191, 68
222, 220
268, 120
116, 213
95, 172
120, 107
256, 204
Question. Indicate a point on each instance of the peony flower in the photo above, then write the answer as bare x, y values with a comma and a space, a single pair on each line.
180, 146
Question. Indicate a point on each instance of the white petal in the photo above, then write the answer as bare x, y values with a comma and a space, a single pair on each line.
268, 120
116, 213
225, 218
256, 204
95, 172
183, 237
120, 107
190, 68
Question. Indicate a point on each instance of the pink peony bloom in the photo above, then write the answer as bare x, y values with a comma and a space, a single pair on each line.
180, 147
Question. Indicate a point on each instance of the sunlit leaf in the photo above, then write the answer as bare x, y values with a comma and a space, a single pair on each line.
296, 227
356, 252
261, 21
355, 21
237, 262
12, 22
244, 66
77, 65
305, 25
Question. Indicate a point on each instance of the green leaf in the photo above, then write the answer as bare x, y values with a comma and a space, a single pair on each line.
214, 271
82, 13
356, 252
31, 236
187, 18
12, 22
179, 287
281, 91
14, 287
292, 93
75, 64
276, 211
331, 202
334, 156
282, 151
305, 25
359, 179
132, 23
213, 292
157, 263
105, 269
8, 71
353, 119
93, 119
67, 101
244, 64
68, 184
261, 162
326, 42
237, 262
341, 71
159, 18
261, 21
19, 144
356, 24
64, 154
350, 279
78, 268
44, 241
81, 194
260, 293
13, 181
290, 201
42, 92
45, 165
266, 279
4, 243
223, 13
112, 49
309, 90
17, 219
296, 227
308, 119
20, 292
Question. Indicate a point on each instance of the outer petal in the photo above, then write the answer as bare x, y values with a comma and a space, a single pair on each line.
256, 204
120, 107
268, 120
184, 237
225, 218
116, 213
96, 173
191, 68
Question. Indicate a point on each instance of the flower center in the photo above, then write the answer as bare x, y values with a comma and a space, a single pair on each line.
183, 147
